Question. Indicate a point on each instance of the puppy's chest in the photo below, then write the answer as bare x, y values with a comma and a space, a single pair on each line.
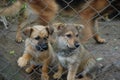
36, 54
66, 61
37, 58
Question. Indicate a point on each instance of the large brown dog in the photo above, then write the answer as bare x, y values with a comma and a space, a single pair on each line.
45, 11
71, 53
37, 11
38, 49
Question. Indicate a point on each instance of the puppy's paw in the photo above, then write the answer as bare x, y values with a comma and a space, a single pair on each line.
29, 70
57, 75
44, 77
22, 62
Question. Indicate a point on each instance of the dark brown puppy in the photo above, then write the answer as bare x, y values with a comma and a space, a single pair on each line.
45, 11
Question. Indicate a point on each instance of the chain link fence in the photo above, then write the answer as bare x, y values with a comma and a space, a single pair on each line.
10, 51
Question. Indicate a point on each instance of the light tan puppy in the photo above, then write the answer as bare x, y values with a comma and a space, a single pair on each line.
38, 49
70, 52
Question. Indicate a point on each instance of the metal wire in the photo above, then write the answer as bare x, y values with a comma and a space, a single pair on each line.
10, 51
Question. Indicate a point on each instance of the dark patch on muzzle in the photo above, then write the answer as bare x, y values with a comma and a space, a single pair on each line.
42, 47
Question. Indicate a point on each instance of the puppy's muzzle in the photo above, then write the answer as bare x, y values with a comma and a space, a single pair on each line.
76, 44
42, 46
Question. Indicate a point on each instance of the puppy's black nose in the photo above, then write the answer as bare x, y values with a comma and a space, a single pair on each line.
44, 46
38, 48
76, 44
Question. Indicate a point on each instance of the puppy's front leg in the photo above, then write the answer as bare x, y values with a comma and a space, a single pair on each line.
22, 61
72, 70
58, 74
45, 69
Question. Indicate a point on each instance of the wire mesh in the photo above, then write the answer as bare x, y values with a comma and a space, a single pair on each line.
10, 51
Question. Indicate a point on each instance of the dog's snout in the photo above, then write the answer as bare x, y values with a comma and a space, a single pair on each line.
44, 46
41, 47
38, 48
76, 44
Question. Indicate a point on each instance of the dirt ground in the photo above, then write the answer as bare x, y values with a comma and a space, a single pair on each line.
110, 52
107, 54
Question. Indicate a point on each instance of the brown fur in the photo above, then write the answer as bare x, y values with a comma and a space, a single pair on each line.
47, 9
43, 10
87, 15
38, 36
71, 53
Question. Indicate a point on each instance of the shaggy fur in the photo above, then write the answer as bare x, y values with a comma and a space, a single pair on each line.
38, 49
71, 53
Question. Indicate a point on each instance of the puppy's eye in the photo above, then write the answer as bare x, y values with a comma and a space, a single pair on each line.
69, 35
37, 38
46, 38
77, 35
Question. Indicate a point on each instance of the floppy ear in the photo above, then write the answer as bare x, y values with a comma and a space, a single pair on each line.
27, 31
50, 30
79, 27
